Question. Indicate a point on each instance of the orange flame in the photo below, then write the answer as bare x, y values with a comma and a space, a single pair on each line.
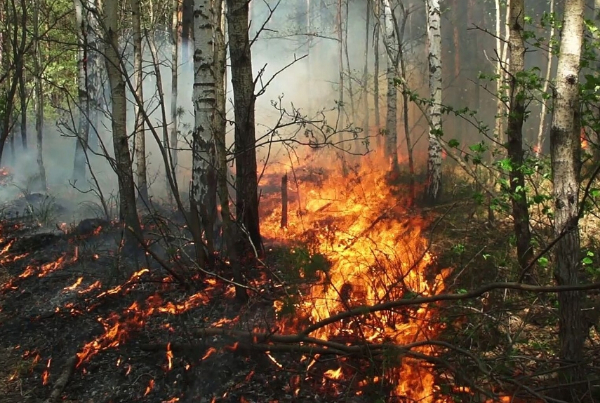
169, 357
149, 387
378, 253
46, 374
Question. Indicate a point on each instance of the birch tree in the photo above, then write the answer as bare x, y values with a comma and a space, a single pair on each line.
391, 45
565, 150
246, 182
434, 160
123, 168
140, 134
175, 43
516, 117
204, 97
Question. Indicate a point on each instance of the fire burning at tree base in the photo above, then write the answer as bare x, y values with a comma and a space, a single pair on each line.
372, 251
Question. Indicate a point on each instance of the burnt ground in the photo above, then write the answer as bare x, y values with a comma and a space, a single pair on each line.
50, 311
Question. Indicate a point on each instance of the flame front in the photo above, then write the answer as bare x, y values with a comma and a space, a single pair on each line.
378, 253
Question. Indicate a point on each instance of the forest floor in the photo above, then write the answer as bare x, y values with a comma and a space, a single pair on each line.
81, 321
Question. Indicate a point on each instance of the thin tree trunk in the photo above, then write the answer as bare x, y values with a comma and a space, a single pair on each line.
18, 39
405, 103
81, 144
245, 138
434, 161
123, 167
23, 110
516, 117
140, 133
204, 108
230, 231
341, 123
39, 97
565, 150
94, 73
543, 111
349, 69
176, 42
365, 80
391, 44
376, 33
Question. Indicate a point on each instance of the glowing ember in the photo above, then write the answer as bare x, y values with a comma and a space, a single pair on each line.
334, 374
209, 352
75, 285
46, 374
149, 387
169, 357
377, 252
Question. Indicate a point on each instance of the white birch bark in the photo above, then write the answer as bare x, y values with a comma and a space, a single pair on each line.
176, 42
434, 161
544, 109
565, 150
204, 99
123, 167
391, 44
140, 133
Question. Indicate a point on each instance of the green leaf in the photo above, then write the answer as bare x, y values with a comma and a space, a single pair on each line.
543, 262
453, 143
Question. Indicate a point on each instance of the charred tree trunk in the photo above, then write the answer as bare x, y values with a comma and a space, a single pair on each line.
516, 117
245, 138
565, 150
123, 168
434, 160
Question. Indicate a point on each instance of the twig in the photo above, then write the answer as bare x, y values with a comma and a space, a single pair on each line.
62, 380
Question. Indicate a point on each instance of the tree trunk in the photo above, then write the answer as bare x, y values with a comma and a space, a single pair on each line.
94, 73
245, 140
565, 154
203, 150
81, 144
176, 42
376, 29
230, 232
365, 80
516, 117
542, 127
405, 102
434, 160
23, 109
123, 168
138, 74
39, 98
391, 45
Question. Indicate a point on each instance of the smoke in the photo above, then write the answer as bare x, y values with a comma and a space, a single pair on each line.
307, 85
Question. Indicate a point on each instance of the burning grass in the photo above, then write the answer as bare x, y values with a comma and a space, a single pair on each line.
333, 316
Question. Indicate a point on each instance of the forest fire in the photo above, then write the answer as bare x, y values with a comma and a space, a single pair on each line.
378, 253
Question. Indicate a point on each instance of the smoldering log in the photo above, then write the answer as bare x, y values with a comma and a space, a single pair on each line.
284, 201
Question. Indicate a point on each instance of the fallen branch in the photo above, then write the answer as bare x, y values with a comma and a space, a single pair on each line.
62, 380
